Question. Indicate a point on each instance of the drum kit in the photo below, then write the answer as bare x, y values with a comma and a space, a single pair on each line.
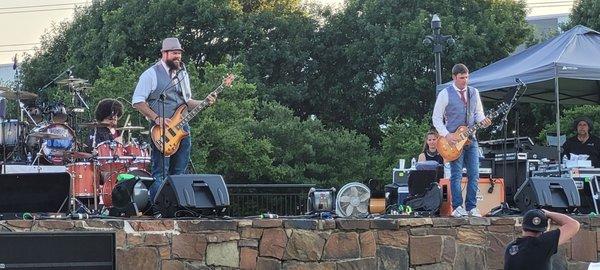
48, 131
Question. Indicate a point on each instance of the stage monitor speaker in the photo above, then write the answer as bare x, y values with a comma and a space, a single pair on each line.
192, 195
553, 193
34, 193
58, 250
514, 178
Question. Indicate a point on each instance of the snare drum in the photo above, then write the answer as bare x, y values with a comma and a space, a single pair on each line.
10, 132
82, 174
54, 149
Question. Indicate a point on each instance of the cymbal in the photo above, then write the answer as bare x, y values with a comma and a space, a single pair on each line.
130, 128
13, 95
46, 135
76, 154
93, 124
72, 81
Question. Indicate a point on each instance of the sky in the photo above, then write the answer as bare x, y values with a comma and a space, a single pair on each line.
23, 22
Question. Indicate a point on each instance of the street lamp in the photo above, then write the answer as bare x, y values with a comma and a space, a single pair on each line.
438, 42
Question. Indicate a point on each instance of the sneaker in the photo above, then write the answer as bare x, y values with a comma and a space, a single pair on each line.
474, 213
459, 212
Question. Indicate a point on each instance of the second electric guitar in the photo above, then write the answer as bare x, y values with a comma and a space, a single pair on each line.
174, 131
451, 152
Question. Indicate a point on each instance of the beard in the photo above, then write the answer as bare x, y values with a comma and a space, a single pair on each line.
172, 64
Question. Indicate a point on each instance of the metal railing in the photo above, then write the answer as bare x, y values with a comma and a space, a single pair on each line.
255, 199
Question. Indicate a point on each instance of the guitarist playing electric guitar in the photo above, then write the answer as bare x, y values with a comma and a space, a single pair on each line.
460, 105
163, 95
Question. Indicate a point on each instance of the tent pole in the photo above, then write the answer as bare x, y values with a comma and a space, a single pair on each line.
556, 91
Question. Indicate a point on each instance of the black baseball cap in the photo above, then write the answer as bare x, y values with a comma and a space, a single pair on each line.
535, 220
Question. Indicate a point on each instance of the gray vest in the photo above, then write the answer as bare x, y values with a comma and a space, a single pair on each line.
173, 95
456, 112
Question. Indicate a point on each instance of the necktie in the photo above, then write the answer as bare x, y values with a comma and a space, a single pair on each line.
463, 97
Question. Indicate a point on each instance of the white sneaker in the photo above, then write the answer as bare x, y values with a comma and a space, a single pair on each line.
459, 212
474, 213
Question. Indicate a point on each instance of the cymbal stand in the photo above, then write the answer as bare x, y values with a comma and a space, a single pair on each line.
94, 164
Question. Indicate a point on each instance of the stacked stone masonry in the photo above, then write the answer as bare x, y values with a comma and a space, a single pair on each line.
419, 243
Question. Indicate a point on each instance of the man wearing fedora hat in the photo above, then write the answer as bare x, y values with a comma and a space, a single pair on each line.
535, 247
583, 142
161, 89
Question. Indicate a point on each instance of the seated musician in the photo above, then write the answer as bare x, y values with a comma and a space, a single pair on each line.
584, 142
430, 148
107, 113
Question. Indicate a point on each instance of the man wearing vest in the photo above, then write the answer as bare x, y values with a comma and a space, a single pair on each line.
168, 77
460, 105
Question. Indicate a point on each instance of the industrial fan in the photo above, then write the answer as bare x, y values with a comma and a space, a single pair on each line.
353, 201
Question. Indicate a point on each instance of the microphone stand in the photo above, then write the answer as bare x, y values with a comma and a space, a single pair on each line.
504, 126
68, 70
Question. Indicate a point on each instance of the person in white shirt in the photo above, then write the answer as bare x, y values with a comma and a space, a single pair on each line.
460, 105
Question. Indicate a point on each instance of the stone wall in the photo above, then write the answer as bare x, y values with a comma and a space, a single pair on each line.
419, 243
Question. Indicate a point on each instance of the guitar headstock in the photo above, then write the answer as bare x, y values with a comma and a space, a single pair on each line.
228, 80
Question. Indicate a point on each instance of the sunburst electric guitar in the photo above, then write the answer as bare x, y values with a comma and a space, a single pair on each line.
451, 152
174, 131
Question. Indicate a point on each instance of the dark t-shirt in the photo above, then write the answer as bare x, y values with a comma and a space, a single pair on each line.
531, 253
590, 147
102, 134
436, 157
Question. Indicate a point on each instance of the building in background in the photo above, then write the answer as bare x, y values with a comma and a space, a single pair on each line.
546, 16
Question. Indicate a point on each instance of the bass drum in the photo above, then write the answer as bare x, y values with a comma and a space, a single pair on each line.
53, 149
111, 181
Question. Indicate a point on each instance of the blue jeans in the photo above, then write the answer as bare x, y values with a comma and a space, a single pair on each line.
470, 160
175, 164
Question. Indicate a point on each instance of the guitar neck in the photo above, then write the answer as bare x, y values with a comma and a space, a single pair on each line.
491, 115
203, 104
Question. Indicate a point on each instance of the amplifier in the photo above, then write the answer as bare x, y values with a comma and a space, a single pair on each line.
486, 201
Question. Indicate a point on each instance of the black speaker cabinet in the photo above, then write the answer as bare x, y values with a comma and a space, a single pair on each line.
516, 174
34, 193
555, 193
192, 195
58, 250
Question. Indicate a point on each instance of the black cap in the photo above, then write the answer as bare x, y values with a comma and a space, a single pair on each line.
535, 220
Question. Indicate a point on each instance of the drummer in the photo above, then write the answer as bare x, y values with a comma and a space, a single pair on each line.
108, 113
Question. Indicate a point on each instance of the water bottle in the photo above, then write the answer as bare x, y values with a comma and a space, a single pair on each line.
413, 163
29, 158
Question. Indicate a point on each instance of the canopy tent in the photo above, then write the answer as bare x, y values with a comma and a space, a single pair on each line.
564, 69
572, 59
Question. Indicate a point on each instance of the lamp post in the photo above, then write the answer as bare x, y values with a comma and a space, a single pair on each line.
438, 40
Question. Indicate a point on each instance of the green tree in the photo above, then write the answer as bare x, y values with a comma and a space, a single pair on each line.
402, 139
372, 67
585, 12
567, 118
